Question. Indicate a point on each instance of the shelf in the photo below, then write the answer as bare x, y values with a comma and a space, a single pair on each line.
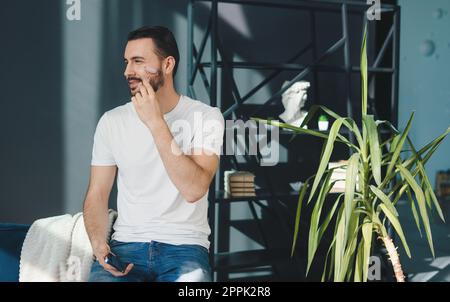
260, 195
295, 67
291, 132
235, 261
284, 131
323, 5
232, 103
255, 278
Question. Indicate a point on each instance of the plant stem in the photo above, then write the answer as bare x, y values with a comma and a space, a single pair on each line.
393, 256
365, 183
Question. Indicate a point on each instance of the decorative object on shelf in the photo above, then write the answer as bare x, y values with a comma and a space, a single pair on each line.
296, 186
339, 171
362, 212
294, 99
443, 184
445, 189
323, 123
239, 183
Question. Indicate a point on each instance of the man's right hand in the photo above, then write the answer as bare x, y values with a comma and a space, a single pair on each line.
101, 251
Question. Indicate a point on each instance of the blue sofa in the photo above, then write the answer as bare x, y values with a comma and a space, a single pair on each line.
11, 241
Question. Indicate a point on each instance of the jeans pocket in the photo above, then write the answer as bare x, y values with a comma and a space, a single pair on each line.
120, 247
200, 249
114, 243
197, 252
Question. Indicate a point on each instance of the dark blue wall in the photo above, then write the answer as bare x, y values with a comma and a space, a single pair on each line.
32, 170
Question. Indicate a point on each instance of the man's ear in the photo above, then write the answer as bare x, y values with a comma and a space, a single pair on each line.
169, 64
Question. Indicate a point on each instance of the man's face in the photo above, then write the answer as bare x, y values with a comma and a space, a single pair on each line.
139, 57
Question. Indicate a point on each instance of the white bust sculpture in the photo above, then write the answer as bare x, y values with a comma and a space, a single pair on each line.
293, 100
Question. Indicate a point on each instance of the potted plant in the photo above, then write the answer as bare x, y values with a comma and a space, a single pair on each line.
377, 177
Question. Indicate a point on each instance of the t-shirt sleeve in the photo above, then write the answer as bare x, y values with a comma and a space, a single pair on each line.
102, 154
209, 138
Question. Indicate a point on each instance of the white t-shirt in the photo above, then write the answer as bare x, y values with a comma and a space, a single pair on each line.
149, 205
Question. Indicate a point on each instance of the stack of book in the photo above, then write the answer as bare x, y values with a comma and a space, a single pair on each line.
339, 175
239, 184
443, 183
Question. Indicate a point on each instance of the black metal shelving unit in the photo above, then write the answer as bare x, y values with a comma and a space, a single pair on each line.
222, 260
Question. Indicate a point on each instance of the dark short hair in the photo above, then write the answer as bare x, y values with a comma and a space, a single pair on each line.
162, 37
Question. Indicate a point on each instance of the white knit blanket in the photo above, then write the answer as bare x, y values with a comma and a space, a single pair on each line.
57, 249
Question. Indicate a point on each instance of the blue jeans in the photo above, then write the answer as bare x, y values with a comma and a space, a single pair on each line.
156, 261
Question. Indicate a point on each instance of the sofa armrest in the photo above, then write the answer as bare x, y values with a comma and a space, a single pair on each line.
11, 241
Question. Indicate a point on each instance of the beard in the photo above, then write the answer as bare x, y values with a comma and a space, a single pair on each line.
156, 81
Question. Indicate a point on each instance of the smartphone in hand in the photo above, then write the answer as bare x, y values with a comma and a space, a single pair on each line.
115, 262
